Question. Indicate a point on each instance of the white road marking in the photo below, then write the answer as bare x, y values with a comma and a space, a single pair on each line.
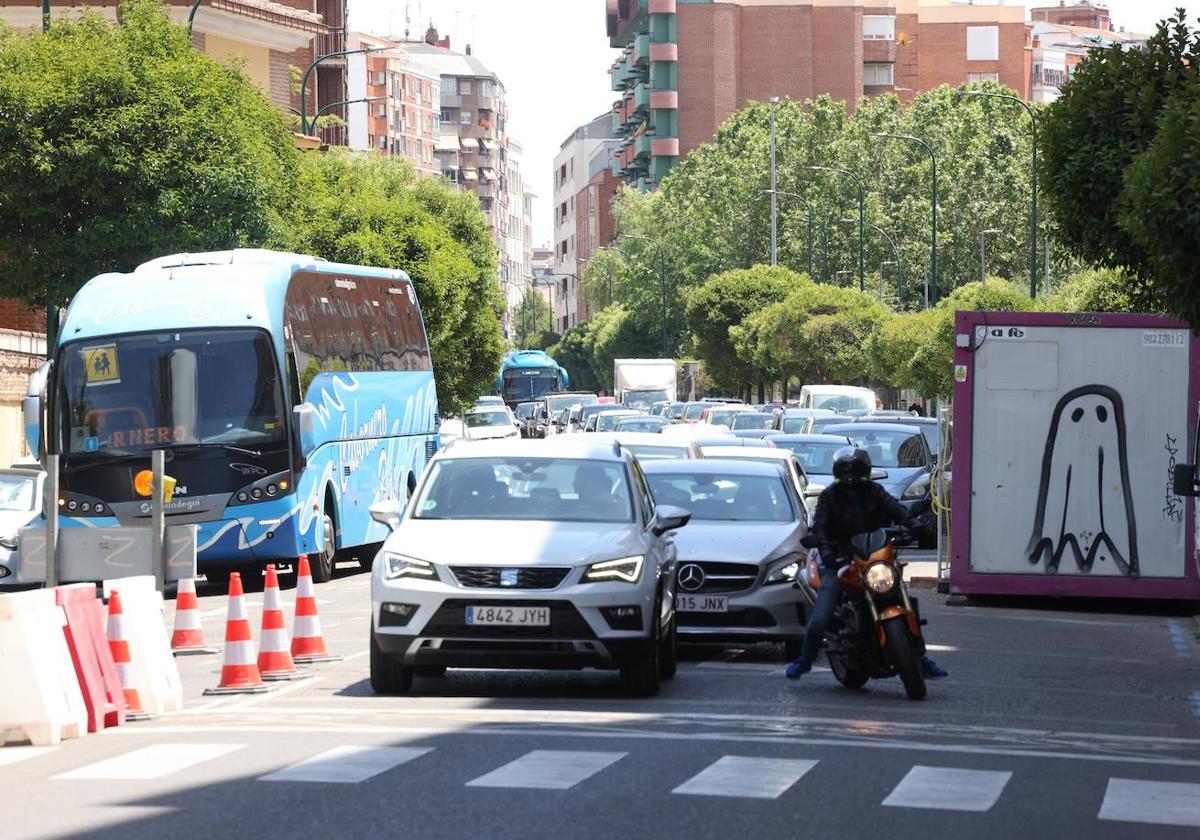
548, 769
151, 762
347, 764
11, 755
743, 776
1160, 803
949, 789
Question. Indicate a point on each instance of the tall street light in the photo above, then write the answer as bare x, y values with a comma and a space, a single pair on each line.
662, 281
933, 286
774, 202
192, 16
304, 80
1033, 212
862, 200
51, 309
895, 262
983, 235
808, 218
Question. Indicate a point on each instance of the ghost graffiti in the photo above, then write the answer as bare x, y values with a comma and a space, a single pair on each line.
1085, 503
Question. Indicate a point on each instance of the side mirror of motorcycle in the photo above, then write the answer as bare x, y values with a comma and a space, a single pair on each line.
810, 541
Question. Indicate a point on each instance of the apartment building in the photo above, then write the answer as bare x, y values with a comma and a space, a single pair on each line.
584, 155
1062, 36
268, 38
687, 65
595, 226
394, 105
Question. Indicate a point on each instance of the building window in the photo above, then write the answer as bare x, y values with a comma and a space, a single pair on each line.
983, 43
877, 73
447, 115
449, 86
464, 118
879, 27
464, 87
980, 78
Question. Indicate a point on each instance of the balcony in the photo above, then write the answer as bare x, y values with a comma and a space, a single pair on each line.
641, 96
644, 144
641, 48
665, 100
662, 7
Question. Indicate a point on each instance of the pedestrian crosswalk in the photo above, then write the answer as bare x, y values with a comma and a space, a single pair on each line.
940, 788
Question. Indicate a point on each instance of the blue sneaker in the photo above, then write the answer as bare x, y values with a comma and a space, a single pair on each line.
798, 667
932, 670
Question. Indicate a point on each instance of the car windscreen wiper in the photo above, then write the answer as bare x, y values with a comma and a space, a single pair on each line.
109, 457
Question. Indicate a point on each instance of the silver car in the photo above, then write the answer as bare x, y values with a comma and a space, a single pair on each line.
741, 552
516, 554
20, 504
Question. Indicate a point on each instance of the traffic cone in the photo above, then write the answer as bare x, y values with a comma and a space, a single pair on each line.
119, 646
239, 672
274, 656
188, 637
308, 645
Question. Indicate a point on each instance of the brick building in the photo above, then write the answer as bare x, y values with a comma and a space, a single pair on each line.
687, 65
1062, 37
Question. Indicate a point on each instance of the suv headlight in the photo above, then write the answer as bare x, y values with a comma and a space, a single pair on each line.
881, 578
625, 569
784, 570
398, 566
919, 489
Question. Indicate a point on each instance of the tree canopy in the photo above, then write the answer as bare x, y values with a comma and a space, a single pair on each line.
121, 142
532, 323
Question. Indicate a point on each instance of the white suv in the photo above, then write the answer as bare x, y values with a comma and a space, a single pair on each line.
522, 554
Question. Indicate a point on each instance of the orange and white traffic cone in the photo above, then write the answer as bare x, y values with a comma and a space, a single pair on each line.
188, 637
119, 645
308, 645
274, 656
239, 671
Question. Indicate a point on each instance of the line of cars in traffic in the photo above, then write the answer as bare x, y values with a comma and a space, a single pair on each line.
606, 539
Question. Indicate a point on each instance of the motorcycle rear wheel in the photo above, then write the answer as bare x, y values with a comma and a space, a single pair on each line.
903, 655
847, 676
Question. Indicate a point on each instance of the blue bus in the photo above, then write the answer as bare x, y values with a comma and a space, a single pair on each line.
528, 375
289, 393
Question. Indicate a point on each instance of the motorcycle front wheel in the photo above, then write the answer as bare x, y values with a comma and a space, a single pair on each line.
903, 655
847, 676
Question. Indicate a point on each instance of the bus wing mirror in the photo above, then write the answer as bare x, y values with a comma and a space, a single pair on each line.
34, 409
304, 426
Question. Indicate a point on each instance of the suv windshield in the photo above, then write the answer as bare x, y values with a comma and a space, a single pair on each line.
556, 490
147, 391
475, 419
16, 492
725, 498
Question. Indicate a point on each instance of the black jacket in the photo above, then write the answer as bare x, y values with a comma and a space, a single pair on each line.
844, 510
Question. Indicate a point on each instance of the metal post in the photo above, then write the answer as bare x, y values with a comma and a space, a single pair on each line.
50, 506
983, 258
45, 15
308, 72
192, 16
774, 197
158, 465
862, 200
931, 287
1046, 270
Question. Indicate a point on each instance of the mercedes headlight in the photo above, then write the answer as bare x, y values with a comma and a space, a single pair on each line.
398, 566
625, 569
784, 570
881, 578
919, 489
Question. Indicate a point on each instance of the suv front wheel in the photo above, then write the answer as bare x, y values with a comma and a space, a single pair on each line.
388, 676
640, 673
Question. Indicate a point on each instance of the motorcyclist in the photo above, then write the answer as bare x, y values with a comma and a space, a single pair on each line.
852, 504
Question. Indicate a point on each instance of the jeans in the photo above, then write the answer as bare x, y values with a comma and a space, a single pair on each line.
822, 613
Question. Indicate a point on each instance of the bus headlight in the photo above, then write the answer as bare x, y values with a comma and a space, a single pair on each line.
881, 578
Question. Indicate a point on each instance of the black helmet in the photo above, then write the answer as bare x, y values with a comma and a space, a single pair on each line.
851, 464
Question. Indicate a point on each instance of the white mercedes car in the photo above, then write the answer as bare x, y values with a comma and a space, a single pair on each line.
524, 554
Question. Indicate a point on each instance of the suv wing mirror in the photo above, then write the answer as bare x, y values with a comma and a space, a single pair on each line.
387, 513
668, 518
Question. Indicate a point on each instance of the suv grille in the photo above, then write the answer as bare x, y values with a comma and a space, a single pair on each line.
449, 621
749, 617
489, 577
721, 577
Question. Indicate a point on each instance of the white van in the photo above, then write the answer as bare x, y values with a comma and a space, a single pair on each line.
841, 398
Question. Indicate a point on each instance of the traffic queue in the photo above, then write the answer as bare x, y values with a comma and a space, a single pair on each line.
576, 531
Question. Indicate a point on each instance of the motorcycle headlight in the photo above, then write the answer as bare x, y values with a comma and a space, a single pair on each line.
881, 578
398, 566
919, 489
783, 570
625, 569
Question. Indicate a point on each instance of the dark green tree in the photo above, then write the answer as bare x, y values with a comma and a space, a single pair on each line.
531, 323
120, 142
573, 352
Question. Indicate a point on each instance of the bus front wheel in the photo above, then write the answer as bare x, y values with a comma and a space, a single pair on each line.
322, 564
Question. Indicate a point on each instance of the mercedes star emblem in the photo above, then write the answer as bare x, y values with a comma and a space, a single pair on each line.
691, 577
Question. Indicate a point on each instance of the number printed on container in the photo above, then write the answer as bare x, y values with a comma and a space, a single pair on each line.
1164, 338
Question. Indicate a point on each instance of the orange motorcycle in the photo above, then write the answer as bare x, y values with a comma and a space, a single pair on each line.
875, 632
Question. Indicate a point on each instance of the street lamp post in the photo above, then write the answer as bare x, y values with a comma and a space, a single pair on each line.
192, 16
1033, 212
774, 202
862, 200
932, 293
896, 262
983, 235
308, 72
808, 218
662, 282
897, 278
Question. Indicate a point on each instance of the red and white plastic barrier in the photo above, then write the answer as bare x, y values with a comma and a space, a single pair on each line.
85, 632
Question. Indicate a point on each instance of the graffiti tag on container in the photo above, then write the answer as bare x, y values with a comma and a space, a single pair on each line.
1172, 504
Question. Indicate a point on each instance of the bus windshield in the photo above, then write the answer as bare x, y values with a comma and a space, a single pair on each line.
525, 384
155, 390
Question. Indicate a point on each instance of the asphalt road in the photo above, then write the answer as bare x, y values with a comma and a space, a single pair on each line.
1054, 722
